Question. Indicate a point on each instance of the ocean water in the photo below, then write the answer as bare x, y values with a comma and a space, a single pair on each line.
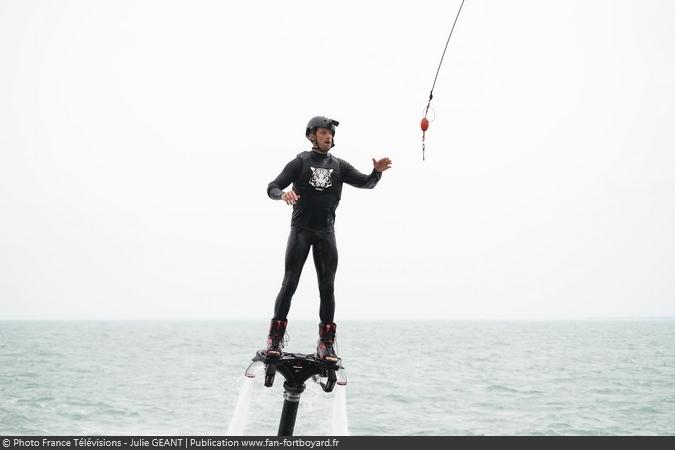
595, 377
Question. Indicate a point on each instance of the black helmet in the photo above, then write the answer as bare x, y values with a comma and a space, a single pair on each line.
321, 122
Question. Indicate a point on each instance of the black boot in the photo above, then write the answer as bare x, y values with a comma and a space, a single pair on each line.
325, 350
275, 339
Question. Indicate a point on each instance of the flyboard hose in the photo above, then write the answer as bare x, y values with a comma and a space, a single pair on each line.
425, 122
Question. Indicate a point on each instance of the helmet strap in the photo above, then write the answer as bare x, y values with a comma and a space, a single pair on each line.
312, 139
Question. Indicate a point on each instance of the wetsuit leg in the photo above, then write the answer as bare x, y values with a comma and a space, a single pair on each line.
297, 250
326, 260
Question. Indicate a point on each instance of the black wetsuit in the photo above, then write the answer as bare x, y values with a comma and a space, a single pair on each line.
317, 178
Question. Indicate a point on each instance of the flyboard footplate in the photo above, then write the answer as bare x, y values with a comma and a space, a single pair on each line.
296, 368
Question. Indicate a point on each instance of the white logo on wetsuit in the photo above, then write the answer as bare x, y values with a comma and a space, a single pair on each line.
321, 178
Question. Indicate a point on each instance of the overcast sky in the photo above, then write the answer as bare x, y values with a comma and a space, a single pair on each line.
137, 139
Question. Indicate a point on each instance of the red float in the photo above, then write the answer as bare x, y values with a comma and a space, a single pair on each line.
424, 124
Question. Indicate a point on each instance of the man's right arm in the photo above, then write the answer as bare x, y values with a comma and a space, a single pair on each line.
276, 188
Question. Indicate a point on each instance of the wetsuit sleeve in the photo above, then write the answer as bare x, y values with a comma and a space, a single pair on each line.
286, 177
357, 179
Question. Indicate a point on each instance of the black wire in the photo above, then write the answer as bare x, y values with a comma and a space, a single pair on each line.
431, 93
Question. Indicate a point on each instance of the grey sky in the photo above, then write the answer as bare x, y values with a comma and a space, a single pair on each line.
137, 139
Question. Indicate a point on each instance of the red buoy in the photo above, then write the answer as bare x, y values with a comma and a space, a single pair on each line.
424, 124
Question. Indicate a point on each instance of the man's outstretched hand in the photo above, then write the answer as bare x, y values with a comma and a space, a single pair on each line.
290, 197
382, 164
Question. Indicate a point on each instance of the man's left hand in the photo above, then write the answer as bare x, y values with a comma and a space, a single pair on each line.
382, 164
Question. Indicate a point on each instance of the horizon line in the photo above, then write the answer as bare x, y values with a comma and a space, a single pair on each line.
305, 319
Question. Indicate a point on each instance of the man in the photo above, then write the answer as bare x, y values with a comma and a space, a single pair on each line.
317, 179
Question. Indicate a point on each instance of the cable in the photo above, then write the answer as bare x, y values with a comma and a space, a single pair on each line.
425, 122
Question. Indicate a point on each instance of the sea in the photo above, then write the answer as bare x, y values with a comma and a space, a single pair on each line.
583, 377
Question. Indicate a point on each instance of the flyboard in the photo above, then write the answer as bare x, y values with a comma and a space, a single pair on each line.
296, 368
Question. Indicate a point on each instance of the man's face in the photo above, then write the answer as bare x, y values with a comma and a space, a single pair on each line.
323, 139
